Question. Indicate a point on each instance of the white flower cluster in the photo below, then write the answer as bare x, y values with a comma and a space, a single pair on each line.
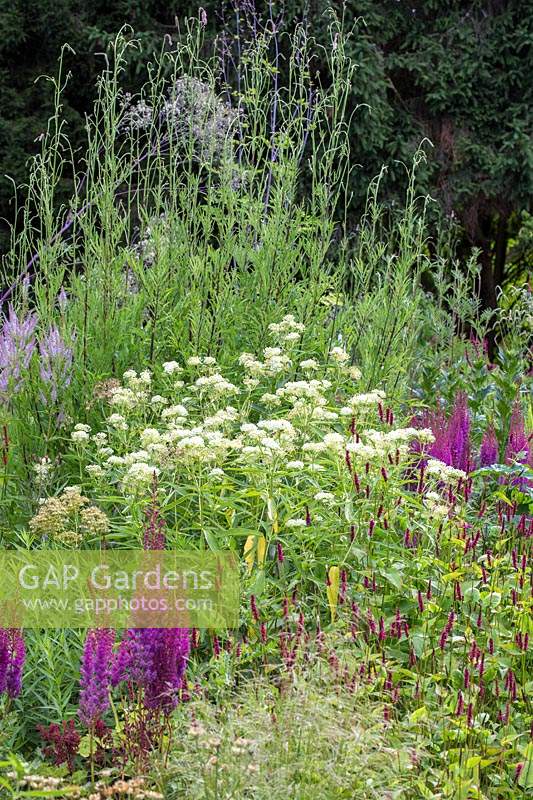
80, 433
339, 355
362, 401
374, 444
118, 422
172, 368
436, 505
215, 386
201, 361
288, 330
444, 472
43, 468
134, 392
275, 362
307, 399
294, 426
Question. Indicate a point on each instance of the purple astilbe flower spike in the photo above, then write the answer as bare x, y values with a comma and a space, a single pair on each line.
56, 362
12, 658
157, 664
153, 659
17, 343
170, 659
4, 659
437, 422
18, 657
489, 451
95, 675
122, 661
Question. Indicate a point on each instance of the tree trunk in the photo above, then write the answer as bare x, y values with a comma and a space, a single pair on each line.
487, 288
500, 250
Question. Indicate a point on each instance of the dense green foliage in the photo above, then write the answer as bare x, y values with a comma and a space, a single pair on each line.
213, 356
455, 74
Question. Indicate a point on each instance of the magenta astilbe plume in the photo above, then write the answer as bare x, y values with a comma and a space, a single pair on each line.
518, 446
17, 343
459, 433
12, 658
56, 362
452, 434
95, 675
489, 451
168, 649
438, 423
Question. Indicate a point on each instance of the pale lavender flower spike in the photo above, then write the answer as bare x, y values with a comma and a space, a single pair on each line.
56, 362
62, 300
17, 343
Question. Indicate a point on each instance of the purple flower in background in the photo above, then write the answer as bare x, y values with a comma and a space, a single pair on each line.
4, 659
12, 658
18, 657
153, 659
158, 658
121, 661
56, 362
17, 343
489, 451
518, 443
459, 433
452, 434
95, 675
62, 300
170, 652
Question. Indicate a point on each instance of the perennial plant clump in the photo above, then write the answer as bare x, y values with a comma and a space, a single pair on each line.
200, 356
423, 564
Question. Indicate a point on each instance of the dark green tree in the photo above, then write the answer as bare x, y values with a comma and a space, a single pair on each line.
459, 74
454, 72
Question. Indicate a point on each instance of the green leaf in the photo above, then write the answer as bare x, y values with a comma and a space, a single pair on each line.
394, 578
419, 714
259, 584
84, 748
526, 776
211, 541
